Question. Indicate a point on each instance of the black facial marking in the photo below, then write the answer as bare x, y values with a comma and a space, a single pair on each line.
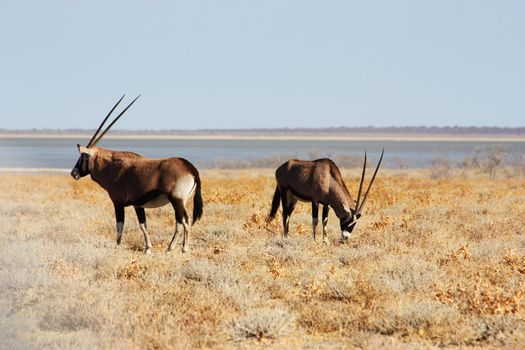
81, 168
348, 222
84, 165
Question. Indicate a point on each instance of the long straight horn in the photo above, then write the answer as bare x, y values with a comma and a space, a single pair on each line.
371, 182
361, 185
103, 122
114, 121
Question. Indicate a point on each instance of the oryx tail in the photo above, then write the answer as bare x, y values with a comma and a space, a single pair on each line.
275, 203
197, 200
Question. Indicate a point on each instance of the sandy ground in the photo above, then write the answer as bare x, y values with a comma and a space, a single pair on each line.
438, 260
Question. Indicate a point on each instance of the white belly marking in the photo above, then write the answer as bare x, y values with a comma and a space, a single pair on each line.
156, 202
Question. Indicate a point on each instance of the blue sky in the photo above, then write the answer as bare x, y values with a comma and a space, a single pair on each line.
241, 64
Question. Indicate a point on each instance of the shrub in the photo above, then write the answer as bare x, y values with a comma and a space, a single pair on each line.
263, 323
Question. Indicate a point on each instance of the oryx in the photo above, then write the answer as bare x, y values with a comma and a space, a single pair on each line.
131, 179
318, 182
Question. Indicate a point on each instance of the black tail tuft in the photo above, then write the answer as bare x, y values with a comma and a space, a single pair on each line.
197, 200
275, 204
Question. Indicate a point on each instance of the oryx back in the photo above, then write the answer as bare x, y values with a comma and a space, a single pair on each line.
310, 180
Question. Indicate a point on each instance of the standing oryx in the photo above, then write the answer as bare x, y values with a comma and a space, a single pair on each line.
131, 179
318, 181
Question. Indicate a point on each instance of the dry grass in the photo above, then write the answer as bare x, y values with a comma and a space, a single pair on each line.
435, 261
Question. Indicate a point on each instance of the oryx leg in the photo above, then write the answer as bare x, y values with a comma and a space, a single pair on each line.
284, 203
292, 201
119, 216
315, 216
326, 208
141, 215
288, 207
181, 217
187, 226
174, 238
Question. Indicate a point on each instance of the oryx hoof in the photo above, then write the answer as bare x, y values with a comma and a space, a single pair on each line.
147, 251
326, 241
169, 250
185, 249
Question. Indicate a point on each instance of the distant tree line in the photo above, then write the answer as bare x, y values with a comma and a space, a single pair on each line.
429, 130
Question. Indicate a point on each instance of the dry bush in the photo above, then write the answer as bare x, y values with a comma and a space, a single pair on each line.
342, 290
413, 317
496, 158
425, 319
226, 280
440, 167
329, 317
488, 160
405, 274
285, 250
263, 323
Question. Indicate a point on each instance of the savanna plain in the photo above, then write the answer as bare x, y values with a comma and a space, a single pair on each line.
437, 260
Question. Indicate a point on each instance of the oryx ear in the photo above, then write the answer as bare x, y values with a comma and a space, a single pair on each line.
86, 150
346, 208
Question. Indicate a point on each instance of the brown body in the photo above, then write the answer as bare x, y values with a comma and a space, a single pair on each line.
131, 179
318, 182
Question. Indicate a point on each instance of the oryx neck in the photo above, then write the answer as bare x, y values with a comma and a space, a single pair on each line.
341, 208
100, 165
342, 202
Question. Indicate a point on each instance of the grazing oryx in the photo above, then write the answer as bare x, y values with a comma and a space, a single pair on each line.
131, 179
318, 181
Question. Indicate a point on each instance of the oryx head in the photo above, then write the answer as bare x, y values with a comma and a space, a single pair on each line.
349, 221
81, 168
